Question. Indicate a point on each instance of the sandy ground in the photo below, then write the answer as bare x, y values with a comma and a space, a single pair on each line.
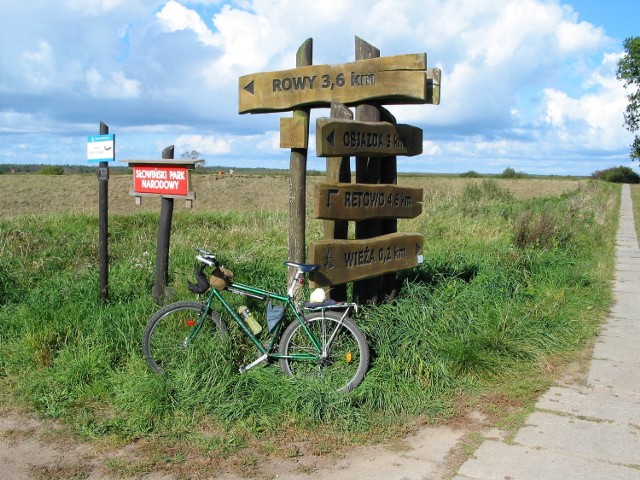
39, 449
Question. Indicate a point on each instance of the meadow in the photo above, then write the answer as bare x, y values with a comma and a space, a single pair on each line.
515, 283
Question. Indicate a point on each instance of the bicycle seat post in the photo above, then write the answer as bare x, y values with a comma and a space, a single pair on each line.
296, 282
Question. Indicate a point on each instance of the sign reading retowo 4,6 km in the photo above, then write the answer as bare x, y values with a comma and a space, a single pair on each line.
396, 79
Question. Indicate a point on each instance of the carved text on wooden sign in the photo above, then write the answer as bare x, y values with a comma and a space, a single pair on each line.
343, 261
336, 137
399, 79
355, 201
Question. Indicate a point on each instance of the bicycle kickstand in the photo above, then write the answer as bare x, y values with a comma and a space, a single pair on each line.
257, 361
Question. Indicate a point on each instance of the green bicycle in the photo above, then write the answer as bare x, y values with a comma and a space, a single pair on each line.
320, 340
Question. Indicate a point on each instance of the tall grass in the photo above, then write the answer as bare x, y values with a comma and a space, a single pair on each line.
506, 283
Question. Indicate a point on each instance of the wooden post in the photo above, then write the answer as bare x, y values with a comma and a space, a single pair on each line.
338, 171
367, 171
164, 237
103, 221
298, 174
388, 175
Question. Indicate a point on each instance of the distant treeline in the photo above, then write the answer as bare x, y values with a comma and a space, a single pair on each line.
114, 169
120, 170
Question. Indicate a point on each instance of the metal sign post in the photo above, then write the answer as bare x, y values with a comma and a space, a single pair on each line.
101, 148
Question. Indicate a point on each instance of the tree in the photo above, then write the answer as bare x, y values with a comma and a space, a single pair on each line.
617, 175
192, 155
629, 71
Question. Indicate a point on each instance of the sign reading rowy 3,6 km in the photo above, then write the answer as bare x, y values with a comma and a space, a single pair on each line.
399, 79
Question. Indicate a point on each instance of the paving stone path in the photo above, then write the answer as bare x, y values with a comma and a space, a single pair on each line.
587, 431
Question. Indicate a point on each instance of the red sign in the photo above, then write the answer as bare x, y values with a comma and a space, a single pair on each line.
161, 180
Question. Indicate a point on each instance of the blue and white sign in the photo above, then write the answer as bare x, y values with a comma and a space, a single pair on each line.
101, 148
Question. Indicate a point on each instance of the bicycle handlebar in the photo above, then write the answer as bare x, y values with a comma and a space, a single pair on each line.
207, 258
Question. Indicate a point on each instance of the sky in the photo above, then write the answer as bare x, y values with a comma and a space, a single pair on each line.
526, 84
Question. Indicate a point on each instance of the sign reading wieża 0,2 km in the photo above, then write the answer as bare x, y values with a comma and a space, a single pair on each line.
396, 79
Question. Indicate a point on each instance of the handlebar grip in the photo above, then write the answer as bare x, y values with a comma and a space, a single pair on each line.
211, 262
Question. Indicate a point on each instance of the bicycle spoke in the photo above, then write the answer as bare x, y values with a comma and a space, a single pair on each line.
344, 361
169, 343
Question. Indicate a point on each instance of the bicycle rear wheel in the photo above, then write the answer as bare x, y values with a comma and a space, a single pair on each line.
167, 342
347, 356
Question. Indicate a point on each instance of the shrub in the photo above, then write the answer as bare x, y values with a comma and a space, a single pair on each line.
511, 173
617, 175
470, 174
51, 170
544, 229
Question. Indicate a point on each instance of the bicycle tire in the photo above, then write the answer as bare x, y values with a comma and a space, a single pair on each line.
163, 341
347, 358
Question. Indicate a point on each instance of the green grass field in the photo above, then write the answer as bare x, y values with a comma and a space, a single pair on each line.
514, 286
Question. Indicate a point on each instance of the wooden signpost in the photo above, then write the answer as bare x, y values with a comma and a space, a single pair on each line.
347, 260
374, 202
374, 139
400, 79
355, 201
168, 179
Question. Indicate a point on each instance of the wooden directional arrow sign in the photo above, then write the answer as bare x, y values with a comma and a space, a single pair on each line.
355, 201
397, 79
344, 261
372, 139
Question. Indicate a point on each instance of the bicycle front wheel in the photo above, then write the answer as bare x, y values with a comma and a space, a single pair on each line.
344, 359
169, 340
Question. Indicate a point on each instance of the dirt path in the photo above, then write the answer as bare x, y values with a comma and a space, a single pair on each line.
41, 449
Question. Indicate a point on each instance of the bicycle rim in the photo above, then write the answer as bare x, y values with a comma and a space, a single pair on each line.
169, 344
347, 357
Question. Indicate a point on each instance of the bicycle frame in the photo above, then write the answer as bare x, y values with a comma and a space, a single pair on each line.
261, 294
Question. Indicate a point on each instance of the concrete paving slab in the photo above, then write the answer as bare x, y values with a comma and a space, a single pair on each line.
612, 442
593, 404
620, 327
623, 349
498, 461
625, 309
613, 375
626, 285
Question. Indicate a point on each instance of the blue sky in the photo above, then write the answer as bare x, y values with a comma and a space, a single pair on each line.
526, 84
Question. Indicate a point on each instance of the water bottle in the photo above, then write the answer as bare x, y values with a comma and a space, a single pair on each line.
247, 314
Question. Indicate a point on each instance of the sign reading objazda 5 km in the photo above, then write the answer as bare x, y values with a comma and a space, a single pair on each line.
356, 201
336, 137
343, 261
399, 79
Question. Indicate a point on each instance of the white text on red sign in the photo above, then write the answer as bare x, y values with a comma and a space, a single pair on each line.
161, 180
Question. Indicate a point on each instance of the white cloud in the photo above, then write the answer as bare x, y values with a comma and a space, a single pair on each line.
593, 119
269, 142
95, 6
205, 144
430, 148
175, 16
574, 37
117, 85
38, 65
